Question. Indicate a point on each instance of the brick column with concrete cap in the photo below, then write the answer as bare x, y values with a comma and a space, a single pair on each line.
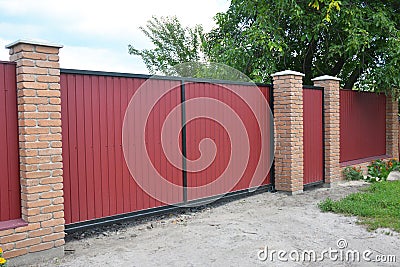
332, 126
40, 149
392, 127
288, 120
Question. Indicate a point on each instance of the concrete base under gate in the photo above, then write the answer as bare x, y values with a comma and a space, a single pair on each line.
39, 256
293, 193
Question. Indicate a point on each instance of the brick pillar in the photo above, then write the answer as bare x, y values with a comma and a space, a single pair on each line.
39, 115
288, 119
332, 126
392, 127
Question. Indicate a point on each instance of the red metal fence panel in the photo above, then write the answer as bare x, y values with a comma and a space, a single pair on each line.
97, 182
10, 192
362, 125
313, 135
201, 128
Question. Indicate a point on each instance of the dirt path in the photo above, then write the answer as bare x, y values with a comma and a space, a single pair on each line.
232, 234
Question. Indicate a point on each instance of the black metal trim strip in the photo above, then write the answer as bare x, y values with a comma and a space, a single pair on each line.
313, 184
323, 135
313, 87
272, 138
184, 145
8, 62
79, 226
358, 91
147, 76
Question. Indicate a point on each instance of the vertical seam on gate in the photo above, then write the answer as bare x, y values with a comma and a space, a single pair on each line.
272, 138
183, 111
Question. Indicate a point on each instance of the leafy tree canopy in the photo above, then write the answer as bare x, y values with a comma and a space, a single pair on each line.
174, 44
358, 41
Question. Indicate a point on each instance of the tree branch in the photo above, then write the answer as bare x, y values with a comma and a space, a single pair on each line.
307, 63
338, 66
353, 78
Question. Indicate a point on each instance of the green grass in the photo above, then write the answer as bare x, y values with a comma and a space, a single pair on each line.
378, 206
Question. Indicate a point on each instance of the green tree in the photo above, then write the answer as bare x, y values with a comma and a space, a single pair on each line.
174, 44
358, 41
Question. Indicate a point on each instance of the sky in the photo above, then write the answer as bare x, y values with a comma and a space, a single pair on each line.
96, 34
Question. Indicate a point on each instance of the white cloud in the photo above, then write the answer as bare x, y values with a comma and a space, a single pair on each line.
101, 59
4, 56
96, 33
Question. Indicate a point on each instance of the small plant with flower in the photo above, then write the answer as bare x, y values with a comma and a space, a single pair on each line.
379, 170
353, 173
3, 261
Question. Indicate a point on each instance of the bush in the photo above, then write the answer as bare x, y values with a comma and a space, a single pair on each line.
353, 173
379, 170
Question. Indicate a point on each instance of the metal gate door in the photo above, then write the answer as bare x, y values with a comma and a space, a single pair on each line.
313, 151
10, 192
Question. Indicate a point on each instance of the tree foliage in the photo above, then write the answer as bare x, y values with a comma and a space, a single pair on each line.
173, 43
358, 41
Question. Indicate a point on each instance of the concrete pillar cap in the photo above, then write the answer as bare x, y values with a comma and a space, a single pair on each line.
288, 72
33, 42
325, 78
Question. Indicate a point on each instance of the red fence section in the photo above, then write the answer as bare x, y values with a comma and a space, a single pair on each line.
362, 125
199, 129
10, 193
313, 141
97, 181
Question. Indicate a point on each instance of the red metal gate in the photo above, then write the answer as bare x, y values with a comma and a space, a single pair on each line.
313, 136
97, 181
202, 128
10, 192
362, 125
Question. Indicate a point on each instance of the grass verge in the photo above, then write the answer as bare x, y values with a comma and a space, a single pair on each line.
377, 206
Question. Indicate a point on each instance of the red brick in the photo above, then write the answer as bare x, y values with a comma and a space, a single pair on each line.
29, 227
28, 242
36, 174
47, 64
47, 49
53, 237
6, 232
15, 253
59, 243
52, 194
53, 222
51, 180
40, 218
52, 208
48, 79
46, 123
40, 247
22, 47
58, 214
12, 238
40, 232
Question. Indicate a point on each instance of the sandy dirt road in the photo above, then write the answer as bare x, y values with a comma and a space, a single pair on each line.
233, 233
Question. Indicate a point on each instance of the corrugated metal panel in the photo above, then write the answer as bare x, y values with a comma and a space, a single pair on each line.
362, 125
313, 136
97, 182
10, 192
202, 128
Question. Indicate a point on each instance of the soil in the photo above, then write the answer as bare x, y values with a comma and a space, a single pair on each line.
232, 233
